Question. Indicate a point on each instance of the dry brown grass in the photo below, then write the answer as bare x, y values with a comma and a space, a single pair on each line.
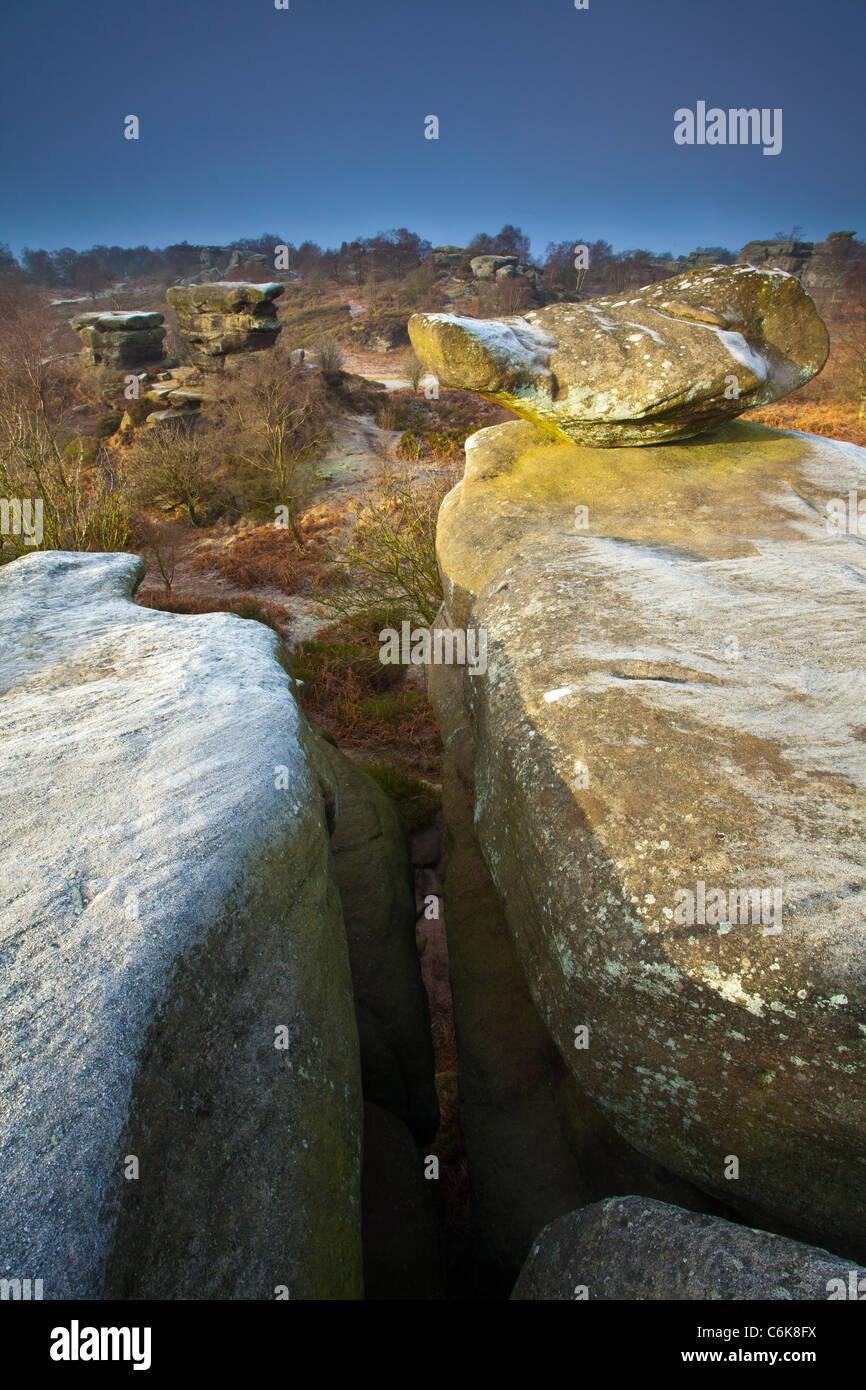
812, 417
833, 403
243, 605
368, 706
268, 556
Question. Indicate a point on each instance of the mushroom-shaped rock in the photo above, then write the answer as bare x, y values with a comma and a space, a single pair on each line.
661, 363
226, 316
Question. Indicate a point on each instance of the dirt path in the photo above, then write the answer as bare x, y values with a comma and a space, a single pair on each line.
354, 459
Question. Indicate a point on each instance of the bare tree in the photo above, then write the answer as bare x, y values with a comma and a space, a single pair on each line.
41, 458
277, 412
170, 471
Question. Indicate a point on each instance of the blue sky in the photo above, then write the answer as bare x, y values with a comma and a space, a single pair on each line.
310, 121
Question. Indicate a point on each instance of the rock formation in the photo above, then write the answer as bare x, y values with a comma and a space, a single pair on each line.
820, 266
181, 1071
120, 340
447, 257
630, 1248
666, 362
666, 765
790, 256
223, 317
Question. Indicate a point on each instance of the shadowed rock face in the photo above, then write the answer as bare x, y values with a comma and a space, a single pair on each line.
226, 316
661, 363
674, 697
373, 873
632, 1248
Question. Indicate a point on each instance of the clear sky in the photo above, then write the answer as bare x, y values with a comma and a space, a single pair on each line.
309, 121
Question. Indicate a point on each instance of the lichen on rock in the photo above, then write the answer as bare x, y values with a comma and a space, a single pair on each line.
661, 363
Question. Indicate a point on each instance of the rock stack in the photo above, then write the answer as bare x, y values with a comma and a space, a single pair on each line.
119, 340
224, 317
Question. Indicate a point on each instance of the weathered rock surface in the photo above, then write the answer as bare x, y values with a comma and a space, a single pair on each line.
661, 363
632, 1248
167, 903
536, 1145
374, 875
226, 316
121, 339
675, 696
447, 257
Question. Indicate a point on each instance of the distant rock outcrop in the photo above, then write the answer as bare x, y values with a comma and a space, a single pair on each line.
790, 256
661, 363
503, 268
447, 257
667, 767
118, 340
819, 265
630, 1248
224, 316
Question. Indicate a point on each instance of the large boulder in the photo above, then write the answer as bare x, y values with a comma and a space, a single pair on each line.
661, 363
226, 316
629, 1248
668, 758
181, 1100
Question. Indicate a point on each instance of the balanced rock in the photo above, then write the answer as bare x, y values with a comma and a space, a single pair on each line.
661, 363
668, 752
120, 340
632, 1248
226, 316
181, 1107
